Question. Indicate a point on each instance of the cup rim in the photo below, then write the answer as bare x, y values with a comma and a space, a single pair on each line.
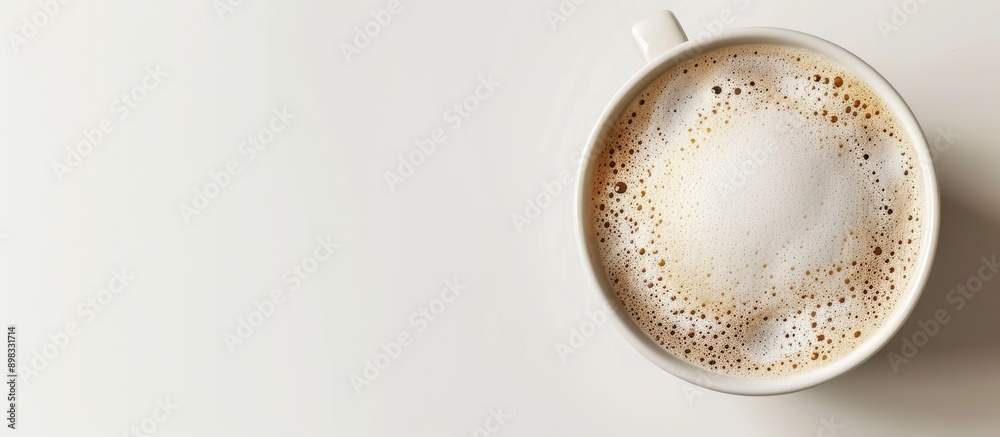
690, 372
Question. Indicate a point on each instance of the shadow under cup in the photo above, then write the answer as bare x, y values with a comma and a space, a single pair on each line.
591, 255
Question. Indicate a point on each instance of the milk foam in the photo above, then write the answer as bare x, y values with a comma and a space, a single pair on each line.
758, 210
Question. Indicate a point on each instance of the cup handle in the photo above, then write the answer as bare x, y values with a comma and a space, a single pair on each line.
658, 33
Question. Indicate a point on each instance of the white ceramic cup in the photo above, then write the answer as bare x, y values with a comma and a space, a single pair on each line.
665, 45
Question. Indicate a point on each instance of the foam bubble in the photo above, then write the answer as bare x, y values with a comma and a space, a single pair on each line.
758, 210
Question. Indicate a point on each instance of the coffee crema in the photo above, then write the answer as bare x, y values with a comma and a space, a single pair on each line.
757, 210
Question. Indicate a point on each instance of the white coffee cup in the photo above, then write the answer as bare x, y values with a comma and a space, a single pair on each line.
665, 45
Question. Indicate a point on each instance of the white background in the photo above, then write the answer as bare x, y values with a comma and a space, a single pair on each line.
495, 346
